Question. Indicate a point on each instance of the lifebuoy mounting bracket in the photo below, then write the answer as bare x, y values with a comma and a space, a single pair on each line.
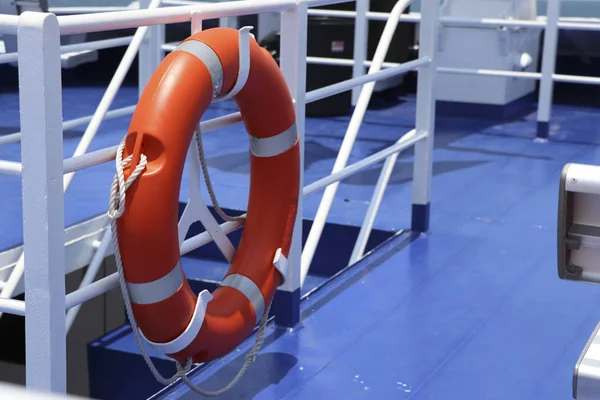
244, 68
281, 264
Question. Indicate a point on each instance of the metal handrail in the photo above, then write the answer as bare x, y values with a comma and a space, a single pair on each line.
318, 224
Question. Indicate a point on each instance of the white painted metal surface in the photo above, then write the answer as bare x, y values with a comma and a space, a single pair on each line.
197, 210
361, 36
578, 251
586, 382
407, 140
8, 24
428, 47
43, 203
292, 61
150, 50
15, 392
70, 124
548, 61
487, 47
339, 87
10, 168
80, 247
90, 274
376, 199
137, 18
583, 178
579, 224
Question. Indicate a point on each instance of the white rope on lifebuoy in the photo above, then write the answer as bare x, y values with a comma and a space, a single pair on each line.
116, 209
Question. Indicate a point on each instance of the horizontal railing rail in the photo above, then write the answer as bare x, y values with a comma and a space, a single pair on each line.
73, 123
581, 79
72, 48
10, 168
12, 306
85, 23
110, 282
87, 10
8, 24
343, 86
591, 24
407, 140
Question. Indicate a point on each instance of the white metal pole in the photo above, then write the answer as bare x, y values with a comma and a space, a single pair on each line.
151, 52
361, 34
407, 140
70, 124
293, 65
342, 86
367, 225
425, 119
196, 22
355, 122
548, 66
267, 23
12, 306
10, 168
40, 101
90, 273
70, 24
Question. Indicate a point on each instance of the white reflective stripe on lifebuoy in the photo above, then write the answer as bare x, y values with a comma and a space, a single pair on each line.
249, 289
187, 337
274, 145
208, 56
158, 290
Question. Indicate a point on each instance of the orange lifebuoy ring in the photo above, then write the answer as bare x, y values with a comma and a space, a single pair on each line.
202, 67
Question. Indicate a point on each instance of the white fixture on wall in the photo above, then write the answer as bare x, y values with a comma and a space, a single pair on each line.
487, 48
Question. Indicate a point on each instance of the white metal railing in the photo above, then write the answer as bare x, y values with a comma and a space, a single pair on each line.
42, 128
551, 24
349, 138
43, 164
293, 15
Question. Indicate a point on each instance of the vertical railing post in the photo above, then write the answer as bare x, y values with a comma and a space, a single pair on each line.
150, 53
196, 22
425, 119
361, 34
40, 102
548, 66
293, 65
267, 23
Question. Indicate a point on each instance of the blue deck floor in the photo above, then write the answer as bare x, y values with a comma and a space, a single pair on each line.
472, 310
